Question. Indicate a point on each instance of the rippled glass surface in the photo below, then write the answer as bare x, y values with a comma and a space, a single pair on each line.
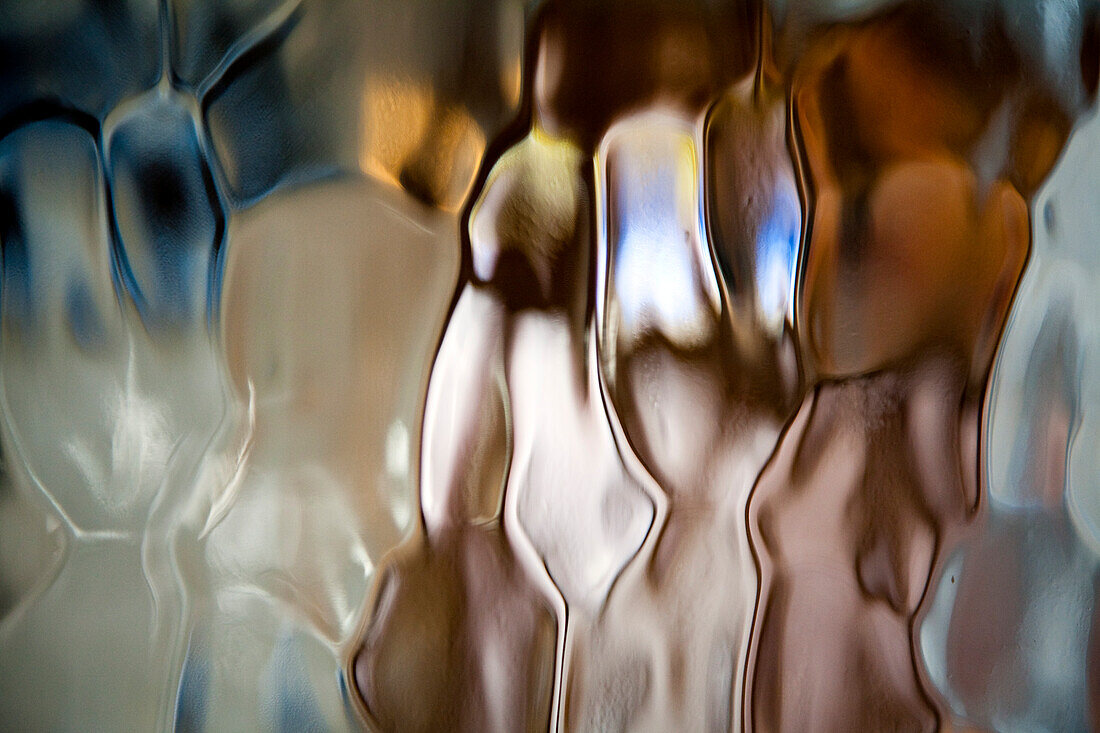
569, 365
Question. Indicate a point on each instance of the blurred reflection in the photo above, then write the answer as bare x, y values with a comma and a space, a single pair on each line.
920, 230
94, 438
477, 587
399, 120
169, 217
677, 52
755, 214
213, 465
1022, 593
660, 274
701, 387
437, 90
548, 364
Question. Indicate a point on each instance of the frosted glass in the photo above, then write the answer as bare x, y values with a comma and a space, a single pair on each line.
595, 365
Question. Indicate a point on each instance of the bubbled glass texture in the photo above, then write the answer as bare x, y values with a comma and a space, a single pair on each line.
571, 365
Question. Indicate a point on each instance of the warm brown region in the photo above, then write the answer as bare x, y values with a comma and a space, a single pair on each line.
922, 144
915, 141
442, 610
597, 61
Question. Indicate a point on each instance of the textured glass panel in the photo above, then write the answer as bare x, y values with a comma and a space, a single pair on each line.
595, 365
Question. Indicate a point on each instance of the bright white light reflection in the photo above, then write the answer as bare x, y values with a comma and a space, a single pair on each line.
661, 273
397, 450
